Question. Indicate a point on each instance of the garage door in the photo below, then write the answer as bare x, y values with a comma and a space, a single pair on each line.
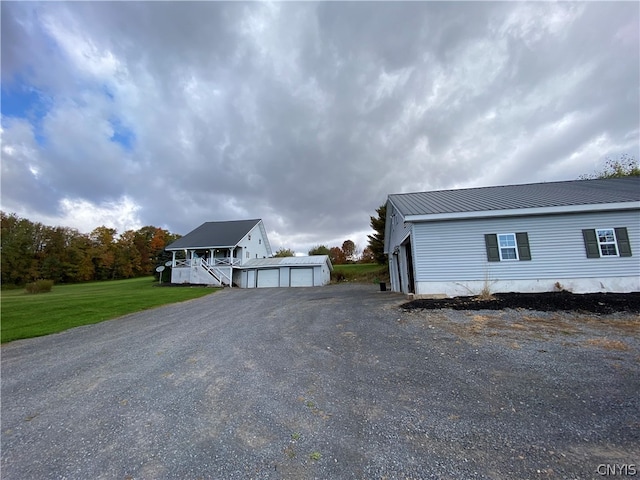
302, 277
268, 277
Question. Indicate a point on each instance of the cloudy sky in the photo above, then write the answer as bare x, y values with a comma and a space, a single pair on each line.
306, 115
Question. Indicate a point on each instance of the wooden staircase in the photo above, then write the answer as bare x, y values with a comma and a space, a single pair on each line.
217, 273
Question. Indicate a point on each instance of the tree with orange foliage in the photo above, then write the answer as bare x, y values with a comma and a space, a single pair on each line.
337, 256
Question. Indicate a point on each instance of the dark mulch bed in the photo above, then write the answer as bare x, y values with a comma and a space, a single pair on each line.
545, 302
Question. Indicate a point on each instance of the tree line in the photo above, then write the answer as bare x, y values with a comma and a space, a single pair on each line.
349, 252
32, 251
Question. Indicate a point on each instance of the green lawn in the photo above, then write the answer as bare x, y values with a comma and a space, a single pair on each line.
32, 315
360, 272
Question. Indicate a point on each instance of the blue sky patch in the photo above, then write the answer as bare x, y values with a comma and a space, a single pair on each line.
23, 101
122, 134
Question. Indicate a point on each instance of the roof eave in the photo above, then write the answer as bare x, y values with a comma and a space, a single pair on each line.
199, 247
521, 212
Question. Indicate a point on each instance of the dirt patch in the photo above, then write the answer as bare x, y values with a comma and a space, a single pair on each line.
608, 344
601, 303
616, 332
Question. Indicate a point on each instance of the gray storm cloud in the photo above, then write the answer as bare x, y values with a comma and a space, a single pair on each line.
305, 114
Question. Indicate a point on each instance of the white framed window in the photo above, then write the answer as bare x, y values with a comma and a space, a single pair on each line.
259, 241
607, 242
248, 255
507, 246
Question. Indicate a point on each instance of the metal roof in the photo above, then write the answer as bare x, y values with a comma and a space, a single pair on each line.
527, 196
310, 261
215, 235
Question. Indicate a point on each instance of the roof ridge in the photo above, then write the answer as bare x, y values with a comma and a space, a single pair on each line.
232, 221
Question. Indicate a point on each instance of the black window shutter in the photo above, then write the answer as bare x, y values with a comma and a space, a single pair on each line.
624, 247
522, 239
491, 242
591, 243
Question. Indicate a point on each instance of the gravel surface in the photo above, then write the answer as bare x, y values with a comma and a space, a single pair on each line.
329, 383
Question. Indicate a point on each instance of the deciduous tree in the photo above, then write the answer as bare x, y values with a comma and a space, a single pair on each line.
31, 251
367, 256
319, 250
103, 239
337, 256
127, 263
348, 249
625, 166
285, 252
18, 243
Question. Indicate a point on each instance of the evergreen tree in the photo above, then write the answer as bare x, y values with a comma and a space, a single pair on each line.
376, 241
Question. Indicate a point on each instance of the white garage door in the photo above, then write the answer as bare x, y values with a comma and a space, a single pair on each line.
302, 277
268, 277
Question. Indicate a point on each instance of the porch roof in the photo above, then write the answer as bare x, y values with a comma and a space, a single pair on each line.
214, 235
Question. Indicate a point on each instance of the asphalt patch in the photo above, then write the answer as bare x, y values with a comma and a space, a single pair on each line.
600, 303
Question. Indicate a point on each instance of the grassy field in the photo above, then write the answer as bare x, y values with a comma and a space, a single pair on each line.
360, 272
32, 315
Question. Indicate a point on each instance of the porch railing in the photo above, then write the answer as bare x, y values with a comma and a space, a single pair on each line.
226, 262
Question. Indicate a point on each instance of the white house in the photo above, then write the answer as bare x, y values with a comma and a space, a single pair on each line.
576, 235
238, 252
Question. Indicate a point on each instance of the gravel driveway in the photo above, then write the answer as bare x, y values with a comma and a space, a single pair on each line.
331, 382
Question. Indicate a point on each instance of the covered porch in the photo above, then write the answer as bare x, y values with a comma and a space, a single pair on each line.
209, 266
212, 256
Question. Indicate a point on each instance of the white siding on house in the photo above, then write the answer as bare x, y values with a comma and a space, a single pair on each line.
255, 247
454, 251
180, 275
195, 275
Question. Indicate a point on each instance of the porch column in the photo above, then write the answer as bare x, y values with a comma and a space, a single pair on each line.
231, 267
173, 259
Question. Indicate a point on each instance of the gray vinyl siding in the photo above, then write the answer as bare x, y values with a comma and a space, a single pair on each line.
455, 251
398, 229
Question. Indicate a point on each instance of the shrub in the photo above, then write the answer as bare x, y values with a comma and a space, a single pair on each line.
338, 276
39, 286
